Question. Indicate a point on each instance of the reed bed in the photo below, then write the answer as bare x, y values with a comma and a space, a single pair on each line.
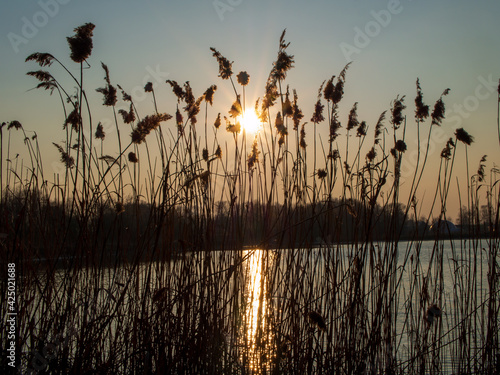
181, 253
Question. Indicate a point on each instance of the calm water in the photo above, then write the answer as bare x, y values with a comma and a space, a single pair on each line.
277, 289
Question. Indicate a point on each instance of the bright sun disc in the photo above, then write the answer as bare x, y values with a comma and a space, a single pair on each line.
250, 121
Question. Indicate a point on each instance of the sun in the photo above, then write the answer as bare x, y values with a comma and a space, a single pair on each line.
250, 121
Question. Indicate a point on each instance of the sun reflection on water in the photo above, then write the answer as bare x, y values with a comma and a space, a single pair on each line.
257, 334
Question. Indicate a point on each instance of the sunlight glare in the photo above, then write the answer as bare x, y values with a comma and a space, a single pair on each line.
250, 121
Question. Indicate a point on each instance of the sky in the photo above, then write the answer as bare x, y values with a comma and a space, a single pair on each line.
446, 44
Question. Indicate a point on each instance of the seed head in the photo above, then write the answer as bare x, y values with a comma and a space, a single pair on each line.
218, 152
14, 124
353, 117
209, 94
132, 157
400, 146
397, 112
253, 157
148, 87
178, 91
99, 132
321, 174
422, 110
464, 137
243, 78
318, 112
217, 122
437, 114
43, 59
225, 66
362, 128
128, 117
303, 143
81, 43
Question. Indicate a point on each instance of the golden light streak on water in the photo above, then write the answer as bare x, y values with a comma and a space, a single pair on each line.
256, 335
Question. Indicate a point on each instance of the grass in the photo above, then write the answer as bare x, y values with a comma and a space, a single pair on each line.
185, 254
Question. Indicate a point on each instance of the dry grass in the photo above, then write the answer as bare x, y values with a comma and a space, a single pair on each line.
163, 281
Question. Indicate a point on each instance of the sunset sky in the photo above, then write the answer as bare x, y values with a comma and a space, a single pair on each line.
447, 44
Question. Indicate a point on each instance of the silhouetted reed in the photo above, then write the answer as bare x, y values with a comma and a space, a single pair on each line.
291, 257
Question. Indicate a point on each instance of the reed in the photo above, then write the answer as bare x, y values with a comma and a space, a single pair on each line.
188, 251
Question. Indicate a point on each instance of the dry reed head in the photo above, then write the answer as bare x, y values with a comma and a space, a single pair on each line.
225, 66
128, 117
132, 157
109, 91
81, 43
329, 89
243, 78
362, 128
233, 128
378, 127
353, 117
421, 110
321, 173
438, 112
297, 112
126, 97
236, 109
74, 119
446, 152
217, 122
400, 146
287, 106
41, 75
209, 94
397, 111
14, 125
317, 116
338, 92
148, 87
99, 132
253, 157
66, 159
302, 142
146, 125
463, 136
480, 170
284, 62
43, 59
177, 89
371, 154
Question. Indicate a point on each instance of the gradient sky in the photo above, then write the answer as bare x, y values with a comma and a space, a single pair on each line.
447, 44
